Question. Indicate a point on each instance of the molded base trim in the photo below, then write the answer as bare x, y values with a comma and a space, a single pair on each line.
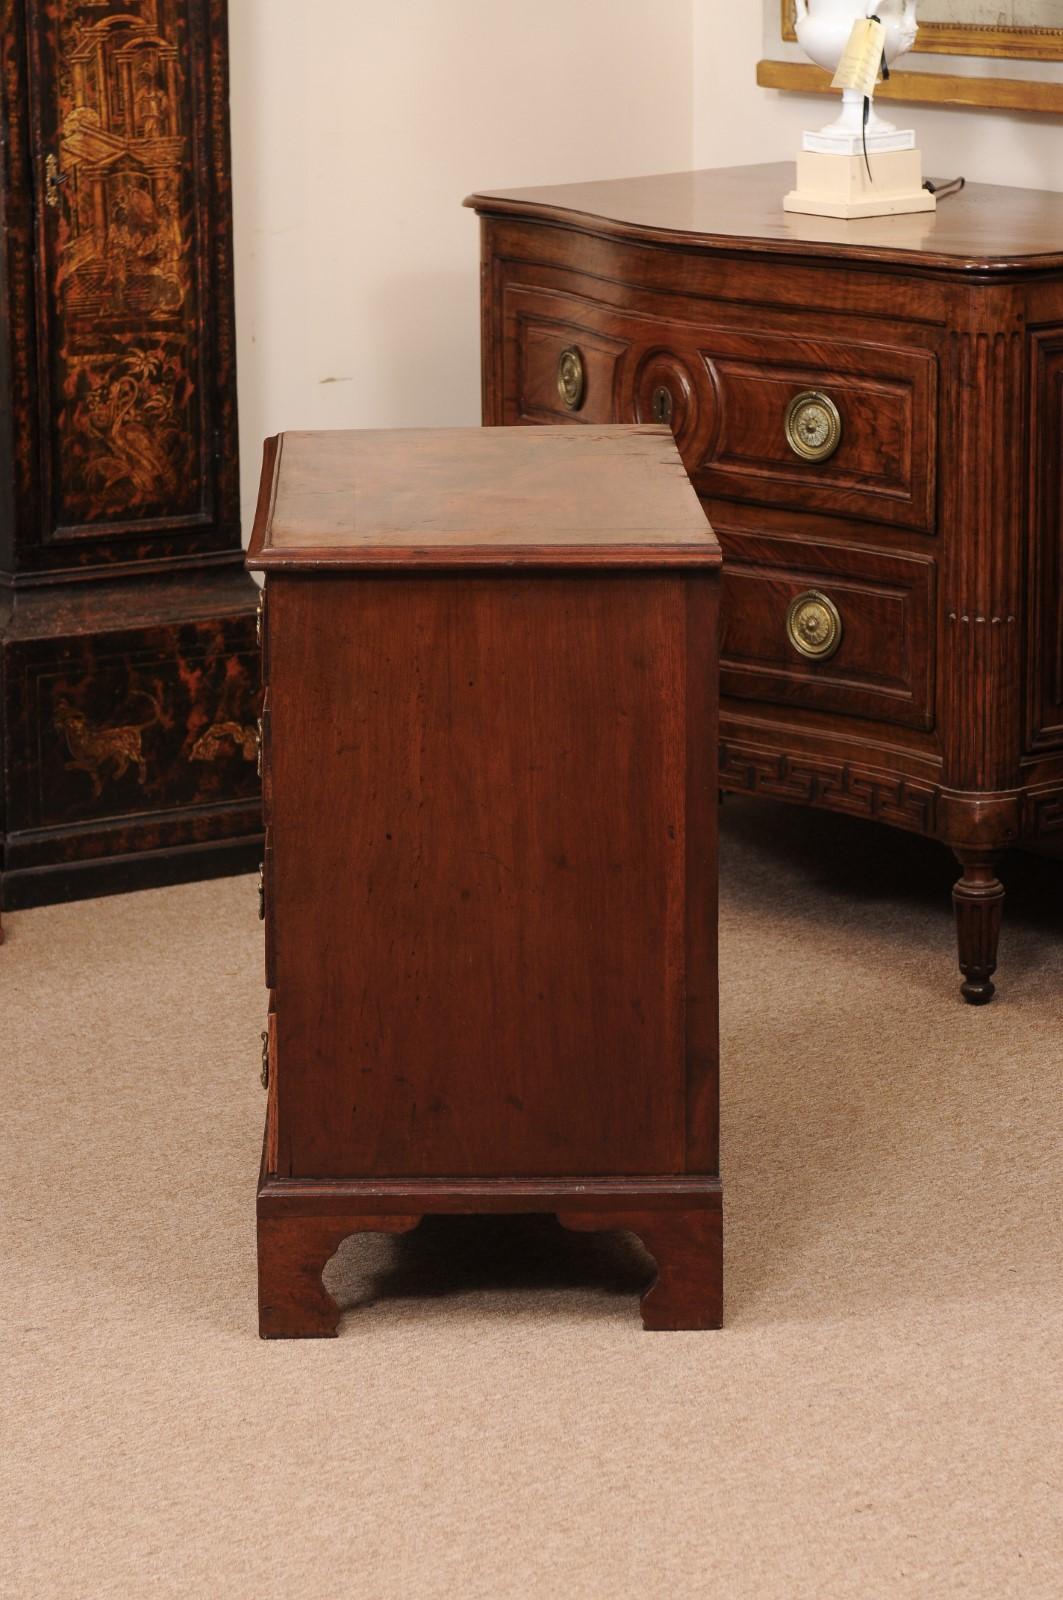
302, 1222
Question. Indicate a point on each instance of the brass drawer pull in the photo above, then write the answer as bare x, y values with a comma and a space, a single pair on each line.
571, 378
259, 609
814, 625
262, 892
264, 1073
813, 426
259, 762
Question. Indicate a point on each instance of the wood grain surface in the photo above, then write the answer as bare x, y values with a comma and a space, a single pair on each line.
987, 227
469, 495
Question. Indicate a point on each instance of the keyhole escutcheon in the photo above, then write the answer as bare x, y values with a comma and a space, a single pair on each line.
661, 404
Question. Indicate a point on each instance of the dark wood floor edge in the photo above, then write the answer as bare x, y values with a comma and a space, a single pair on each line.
293, 1196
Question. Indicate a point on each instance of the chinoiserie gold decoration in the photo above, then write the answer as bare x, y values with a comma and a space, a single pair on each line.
52, 181
814, 625
813, 425
571, 379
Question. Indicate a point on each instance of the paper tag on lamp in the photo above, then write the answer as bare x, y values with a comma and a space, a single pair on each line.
862, 58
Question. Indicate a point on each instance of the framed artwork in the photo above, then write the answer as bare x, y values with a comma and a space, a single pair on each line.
987, 34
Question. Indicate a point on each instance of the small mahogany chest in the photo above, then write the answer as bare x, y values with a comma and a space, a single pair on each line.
489, 763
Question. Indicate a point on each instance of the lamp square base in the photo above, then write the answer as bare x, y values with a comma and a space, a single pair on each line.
839, 185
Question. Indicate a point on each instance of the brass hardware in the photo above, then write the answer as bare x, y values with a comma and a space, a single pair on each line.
661, 405
813, 426
258, 764
264, 1074
260, 608
814, 625
262, 893
53, 181
571, 378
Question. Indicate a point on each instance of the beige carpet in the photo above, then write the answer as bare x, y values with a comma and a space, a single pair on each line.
880, 1417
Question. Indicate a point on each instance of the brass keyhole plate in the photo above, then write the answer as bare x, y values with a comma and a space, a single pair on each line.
571, 378
661, 404
813, 425
814, 625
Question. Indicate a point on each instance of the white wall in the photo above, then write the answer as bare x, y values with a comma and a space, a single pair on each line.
358, 127
735, 121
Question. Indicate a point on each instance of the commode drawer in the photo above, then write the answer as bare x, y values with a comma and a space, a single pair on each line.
805, 423
827, 628
818, 425
566, 370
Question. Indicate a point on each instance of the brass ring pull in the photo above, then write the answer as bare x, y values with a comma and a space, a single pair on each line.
571, 378
814, 625
813, 426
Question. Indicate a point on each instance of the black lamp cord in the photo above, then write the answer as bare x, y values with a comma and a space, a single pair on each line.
867, 98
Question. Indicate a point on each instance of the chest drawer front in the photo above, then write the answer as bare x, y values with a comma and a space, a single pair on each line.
828, 628
566, 369
773, 397
729, 395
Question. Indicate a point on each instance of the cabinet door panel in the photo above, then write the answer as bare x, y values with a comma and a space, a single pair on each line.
1045, 717
134, 359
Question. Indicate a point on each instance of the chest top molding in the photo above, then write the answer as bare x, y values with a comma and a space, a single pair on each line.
479, 497
985, 229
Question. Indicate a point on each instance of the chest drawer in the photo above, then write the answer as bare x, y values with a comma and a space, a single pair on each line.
566, 369
818, 424
828, 627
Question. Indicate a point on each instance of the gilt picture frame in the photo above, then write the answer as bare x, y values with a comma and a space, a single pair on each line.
987, 36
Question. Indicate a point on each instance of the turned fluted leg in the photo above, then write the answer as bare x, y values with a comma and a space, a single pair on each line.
979, 901
687, 1246
293, 1303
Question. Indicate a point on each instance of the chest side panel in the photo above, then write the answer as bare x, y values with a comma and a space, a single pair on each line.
479, 806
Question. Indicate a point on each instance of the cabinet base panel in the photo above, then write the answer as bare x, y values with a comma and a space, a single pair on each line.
302, 1223
147, 869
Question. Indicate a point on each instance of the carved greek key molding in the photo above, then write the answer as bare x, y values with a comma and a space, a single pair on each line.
839, 786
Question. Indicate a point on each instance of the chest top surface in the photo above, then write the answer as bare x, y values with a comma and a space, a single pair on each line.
984, 228
554, 496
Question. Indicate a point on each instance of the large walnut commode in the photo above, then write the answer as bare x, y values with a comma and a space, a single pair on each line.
872, 414
489, 762
129, 687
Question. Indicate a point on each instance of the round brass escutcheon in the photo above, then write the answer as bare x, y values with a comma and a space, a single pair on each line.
571, 379
813, 425
661, 404
814, 625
